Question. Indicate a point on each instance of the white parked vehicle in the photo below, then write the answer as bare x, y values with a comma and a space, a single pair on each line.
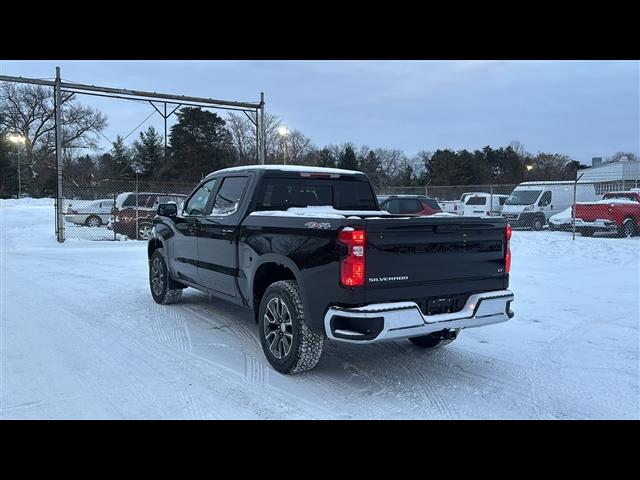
562, 220
483, 205
91, 213
531, 204
456, 206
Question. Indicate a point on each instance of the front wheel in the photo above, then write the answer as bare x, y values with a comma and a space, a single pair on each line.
288, 343
160, 282
144, 231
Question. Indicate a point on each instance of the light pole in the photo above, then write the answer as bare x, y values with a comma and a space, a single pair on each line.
283, 132
18, 140
138, 169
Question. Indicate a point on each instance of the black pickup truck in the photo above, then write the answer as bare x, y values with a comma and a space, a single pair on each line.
310, 251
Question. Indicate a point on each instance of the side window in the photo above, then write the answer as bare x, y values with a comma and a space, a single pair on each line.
391, 206
409, 205
545, 199
197, 204
502, 200
432, 204
228, 197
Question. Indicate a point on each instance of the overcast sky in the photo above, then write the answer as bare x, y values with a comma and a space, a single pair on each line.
583, 109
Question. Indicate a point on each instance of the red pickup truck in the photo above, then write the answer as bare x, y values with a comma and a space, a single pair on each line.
616, 212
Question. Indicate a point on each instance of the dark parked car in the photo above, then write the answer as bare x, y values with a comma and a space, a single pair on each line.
129, 212
311, 253
409, 204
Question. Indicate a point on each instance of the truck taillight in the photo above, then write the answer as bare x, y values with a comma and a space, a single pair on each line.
352, 267
507, 256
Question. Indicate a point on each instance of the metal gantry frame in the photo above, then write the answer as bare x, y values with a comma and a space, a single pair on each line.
253, 110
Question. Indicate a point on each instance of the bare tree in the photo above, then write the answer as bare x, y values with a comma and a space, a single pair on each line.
243, 133
28, 110
298, 146
518, 147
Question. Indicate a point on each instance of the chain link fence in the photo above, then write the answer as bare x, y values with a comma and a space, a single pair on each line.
116, 210
604, 209
124, 210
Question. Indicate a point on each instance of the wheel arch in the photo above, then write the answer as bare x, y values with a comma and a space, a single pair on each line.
154, 244
271, 269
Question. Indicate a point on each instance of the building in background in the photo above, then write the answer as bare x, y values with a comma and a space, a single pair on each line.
623, 174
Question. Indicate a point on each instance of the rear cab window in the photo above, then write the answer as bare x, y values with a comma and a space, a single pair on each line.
621, 196
476, 201
342, 194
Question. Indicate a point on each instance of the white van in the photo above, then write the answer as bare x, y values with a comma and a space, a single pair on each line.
483, 205
532, 203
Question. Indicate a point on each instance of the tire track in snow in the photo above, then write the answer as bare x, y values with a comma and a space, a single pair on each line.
170, 327
237, 391
385, 376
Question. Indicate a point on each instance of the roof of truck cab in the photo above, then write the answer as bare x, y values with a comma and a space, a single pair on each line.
286, 168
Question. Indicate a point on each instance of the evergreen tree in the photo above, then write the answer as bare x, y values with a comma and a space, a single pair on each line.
200, 144
348, 159
372, 166
122, 161
148, 153
8, 171
326, 158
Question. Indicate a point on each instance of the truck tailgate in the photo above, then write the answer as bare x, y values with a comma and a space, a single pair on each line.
593, 211
418, 258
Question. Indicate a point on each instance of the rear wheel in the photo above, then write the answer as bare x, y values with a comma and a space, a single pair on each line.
160, 282
537, 224
288, 343
435, 339
629, 228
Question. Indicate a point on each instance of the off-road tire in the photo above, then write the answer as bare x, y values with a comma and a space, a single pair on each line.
433, 340
305, 347
162, 292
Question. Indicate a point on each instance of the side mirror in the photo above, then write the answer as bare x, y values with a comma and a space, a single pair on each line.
167, 209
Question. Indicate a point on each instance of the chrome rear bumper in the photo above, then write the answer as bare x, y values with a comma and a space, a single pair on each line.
405, 319
599, 224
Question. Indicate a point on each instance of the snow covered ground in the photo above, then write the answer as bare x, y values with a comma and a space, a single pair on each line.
81, 338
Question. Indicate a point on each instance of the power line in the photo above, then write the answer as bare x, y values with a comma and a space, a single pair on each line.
152, 113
